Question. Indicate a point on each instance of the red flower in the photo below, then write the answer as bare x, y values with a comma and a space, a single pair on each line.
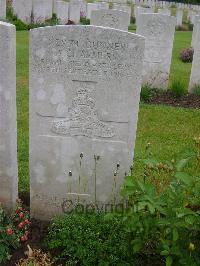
19, 209
26, 221
9, 231
21, 225
21, 215
24, 238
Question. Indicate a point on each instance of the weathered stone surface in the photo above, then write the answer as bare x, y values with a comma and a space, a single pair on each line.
179, 17
142, 10
164, 11
2, 9
8, 135
194, 33
90, 8
124, 8
62, 10
23, 9
42, 10
83, 8
103, 5
74, 11
110, 18
191, 16
195, 76
159, 33
84, 97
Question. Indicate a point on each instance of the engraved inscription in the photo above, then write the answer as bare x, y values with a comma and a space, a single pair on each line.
105, 59
83, 117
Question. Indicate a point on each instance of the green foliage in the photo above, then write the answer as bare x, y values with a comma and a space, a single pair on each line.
13, 231
133, 20
178, 88
148, 93
85, 21
90, 239
196, 90
132, 27
190, 26
20, 25
164, 209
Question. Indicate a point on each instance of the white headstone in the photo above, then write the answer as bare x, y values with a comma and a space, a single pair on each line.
164, 11
110, 18
191, 16
159, 33
84, 97
195, 72
124, 8
103, 5
2, 9
42, 10
179, 17
8, 134
23, 9
62, 10
194, 33
90, 8
141, 10
83, 8
74, 11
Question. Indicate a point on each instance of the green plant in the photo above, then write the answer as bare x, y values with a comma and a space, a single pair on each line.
190, 26
132, 27
178, 88
164, 209
88, 239
133, 20
14, 229
20, 25
148, 93
85, 21
196, 90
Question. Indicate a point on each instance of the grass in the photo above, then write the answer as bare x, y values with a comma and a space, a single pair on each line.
180, 70
168, 129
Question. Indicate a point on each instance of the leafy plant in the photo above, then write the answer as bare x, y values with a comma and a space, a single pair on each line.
20, 25
131, 27
14, 229
186, 55
196, 90
85, 21
164, 209
89, 239
148, 93
178, 88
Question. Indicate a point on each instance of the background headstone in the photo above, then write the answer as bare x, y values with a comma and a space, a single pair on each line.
8, 134
195, 76
141, 10
159, 33
62, 10
90, 8
74, 11
164, 11
42, 10
110, 18
23, 9
2, 9
84, 97
179, 17
194, 33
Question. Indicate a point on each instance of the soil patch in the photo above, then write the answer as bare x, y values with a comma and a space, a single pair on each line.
186, 101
